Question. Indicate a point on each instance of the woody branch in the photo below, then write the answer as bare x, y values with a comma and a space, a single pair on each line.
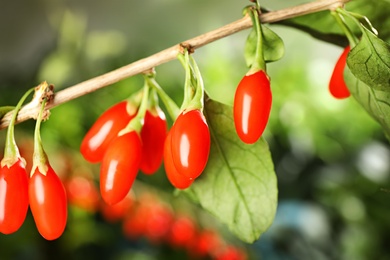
169, 54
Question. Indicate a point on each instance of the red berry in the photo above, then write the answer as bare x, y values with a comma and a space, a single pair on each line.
190, 143
82, 193
48, 203
175, 178
113, 213
183, 231
13, 197
104, 130
120, 166
158, 223
153, 135
231, 253
134, 225
252, 106
207, 242
337, 86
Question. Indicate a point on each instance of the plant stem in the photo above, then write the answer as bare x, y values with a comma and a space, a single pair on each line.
171, 53
11, 151
40, 159
170, 105
360, 20
197, 100
258, 62
189, 87
137, 122
344, 27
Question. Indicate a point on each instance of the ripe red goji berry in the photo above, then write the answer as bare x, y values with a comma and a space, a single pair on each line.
82, 193
337, 86
120, 166
13, 197
206, 242
48, 202
153, 135
13, 180
158, 223
183, 231
46, 193
190, 143
105, 129
252, 106
118, 211
231, 252
175, 178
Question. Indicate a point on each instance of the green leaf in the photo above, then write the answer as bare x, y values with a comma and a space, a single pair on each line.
250, 48
374, 101
273, 46
239, 184
323, 26
369, 61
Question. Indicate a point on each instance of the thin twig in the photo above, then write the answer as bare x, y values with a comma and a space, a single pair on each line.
171, 53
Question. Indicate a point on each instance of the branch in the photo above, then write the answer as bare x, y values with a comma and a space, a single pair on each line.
169, 54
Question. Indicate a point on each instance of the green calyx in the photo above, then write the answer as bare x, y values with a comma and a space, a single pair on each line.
137, 122
133, 102
258, 62
40, 159
43, 95
153, 106
193, 86
11, 151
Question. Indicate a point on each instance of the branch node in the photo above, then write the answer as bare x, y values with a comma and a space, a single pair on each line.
151, 71
42, 92
337, 5
186, 46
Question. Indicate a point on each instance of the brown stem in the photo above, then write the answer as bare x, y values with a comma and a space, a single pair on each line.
171, 53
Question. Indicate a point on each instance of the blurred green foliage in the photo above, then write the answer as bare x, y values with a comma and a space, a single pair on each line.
331, 158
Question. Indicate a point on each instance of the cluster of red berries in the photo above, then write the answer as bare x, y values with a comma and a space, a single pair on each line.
121, 156
147, 216
337, 86
43, 190
185, 148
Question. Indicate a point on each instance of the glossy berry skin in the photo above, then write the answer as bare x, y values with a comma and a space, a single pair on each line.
190, 143
337, 86
178, 180
252, 106
48, 203
119, 167
104, 130
13, 197
153, 135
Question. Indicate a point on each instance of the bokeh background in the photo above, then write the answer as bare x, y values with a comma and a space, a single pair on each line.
331, 158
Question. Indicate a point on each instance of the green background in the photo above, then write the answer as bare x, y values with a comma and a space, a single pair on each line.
331, 158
